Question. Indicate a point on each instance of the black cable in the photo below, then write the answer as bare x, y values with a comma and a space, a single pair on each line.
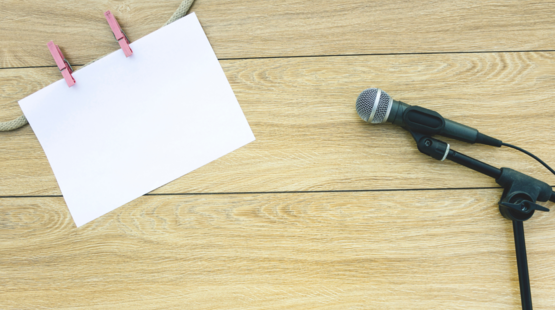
531, 155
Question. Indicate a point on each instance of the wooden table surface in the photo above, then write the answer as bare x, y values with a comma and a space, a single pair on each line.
322, 211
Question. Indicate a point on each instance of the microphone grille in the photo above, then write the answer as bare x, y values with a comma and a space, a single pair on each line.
372, 110
365, 103
384, 106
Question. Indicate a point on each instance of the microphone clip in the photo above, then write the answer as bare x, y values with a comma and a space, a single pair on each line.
432, 147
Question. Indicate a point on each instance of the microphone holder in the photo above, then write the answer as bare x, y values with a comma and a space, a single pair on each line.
517, 203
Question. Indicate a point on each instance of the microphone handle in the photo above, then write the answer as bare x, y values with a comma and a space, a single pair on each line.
425, 121
459, 131
467, 134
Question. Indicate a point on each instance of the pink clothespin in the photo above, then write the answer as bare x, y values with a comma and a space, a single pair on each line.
119, 34
61, 62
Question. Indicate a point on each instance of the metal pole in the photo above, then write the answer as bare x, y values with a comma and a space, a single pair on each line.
522, 263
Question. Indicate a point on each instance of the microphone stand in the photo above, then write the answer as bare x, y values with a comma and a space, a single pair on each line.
517, 203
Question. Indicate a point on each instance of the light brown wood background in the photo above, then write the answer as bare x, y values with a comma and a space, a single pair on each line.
322, 211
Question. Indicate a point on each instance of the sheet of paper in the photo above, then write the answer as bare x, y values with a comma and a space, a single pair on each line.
131, 125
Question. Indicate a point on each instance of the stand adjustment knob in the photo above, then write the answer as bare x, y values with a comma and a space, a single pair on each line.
523, 208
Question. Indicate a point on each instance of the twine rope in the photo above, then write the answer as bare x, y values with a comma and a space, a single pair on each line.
22, 120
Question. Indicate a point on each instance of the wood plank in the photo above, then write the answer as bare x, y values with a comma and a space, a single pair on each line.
253, 28
78, 27
309, 136
373, 250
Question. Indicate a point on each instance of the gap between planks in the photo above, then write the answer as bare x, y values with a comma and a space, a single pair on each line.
284, 192
339, 55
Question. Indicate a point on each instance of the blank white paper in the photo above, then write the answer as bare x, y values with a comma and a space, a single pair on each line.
131, 125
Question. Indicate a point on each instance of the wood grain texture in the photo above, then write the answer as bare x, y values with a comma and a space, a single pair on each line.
78, 27
309, 137
366, 250
409, 249
252, 28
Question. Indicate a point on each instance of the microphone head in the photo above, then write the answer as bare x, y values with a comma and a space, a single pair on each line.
374, 105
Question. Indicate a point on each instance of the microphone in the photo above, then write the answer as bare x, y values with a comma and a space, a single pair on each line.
376, 106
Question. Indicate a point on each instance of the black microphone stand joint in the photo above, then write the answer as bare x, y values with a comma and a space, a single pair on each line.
517, 203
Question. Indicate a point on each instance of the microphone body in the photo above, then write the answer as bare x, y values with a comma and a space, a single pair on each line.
432, 123
376, 106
